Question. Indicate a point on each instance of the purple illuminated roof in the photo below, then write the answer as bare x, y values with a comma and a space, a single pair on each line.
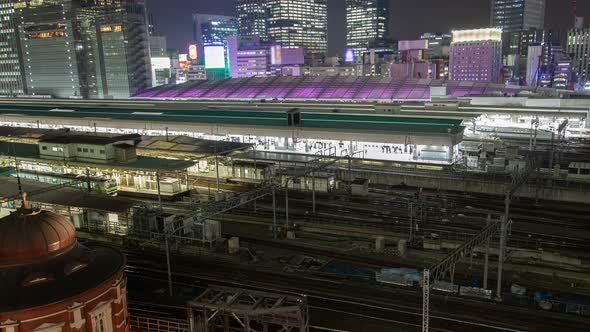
323, 88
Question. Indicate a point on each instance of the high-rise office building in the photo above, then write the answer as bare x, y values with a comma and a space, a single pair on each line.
518, 15
476, 55
517, 19
158, 46
212, 30
124, 48
216, 32
366, 24
47, 40
299, 23
578, 45
252, 15
87, 49
11, 74
438, 44
557, 70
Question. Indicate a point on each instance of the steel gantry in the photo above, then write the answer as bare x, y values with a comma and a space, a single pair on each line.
438, 271
204, 212
325, 159
447, 265
233, 309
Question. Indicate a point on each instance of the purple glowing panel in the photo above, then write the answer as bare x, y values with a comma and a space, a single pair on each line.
349, 94
388, 92
377, 92
403, 93
200, 90
340, 92
171, 93
147, 94
219, 92
328, 93
416, 93
364, 93
267, 93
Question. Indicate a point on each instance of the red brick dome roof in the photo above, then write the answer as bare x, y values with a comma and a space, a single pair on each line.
30, 235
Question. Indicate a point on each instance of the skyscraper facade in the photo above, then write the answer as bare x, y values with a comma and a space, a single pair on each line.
86, 49
299, 23
124, 48
47, 38
366, 24
578, 45
518, 15
11, 74
252, 15
212, 30
476, 55
216, 32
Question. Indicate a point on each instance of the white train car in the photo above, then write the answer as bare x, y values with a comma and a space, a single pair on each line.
515, 133
578, 134
579, 171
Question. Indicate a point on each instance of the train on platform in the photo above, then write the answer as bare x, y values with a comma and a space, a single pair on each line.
97, 184
579, 171
579, 134
515, 133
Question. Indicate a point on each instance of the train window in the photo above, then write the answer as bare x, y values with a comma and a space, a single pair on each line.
573, 171
43, 147
79, 149
85, 150
584, 171
102, 152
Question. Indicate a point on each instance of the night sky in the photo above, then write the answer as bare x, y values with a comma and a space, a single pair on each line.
410, 18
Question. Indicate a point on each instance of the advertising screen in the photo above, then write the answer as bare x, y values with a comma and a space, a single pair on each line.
275, 55
192, 52
214, 57
349, 56
183, 61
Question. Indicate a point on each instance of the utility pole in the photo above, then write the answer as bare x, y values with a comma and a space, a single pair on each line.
217, 171
274, 214
167, 244
88, 182
313, 193
503, 231
20, 186
552, 151
287, 204
158, 188
411, 213
426, 301
487, 256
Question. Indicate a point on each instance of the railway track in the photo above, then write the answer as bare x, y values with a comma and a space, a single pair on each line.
367, 303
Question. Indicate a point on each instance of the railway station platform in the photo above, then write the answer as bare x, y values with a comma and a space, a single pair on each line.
378, 136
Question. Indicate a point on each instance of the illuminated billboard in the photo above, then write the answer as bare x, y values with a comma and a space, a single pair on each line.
111, 28
275, 55
214, 57
183, 61
349, 56
475, 35
192, 52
